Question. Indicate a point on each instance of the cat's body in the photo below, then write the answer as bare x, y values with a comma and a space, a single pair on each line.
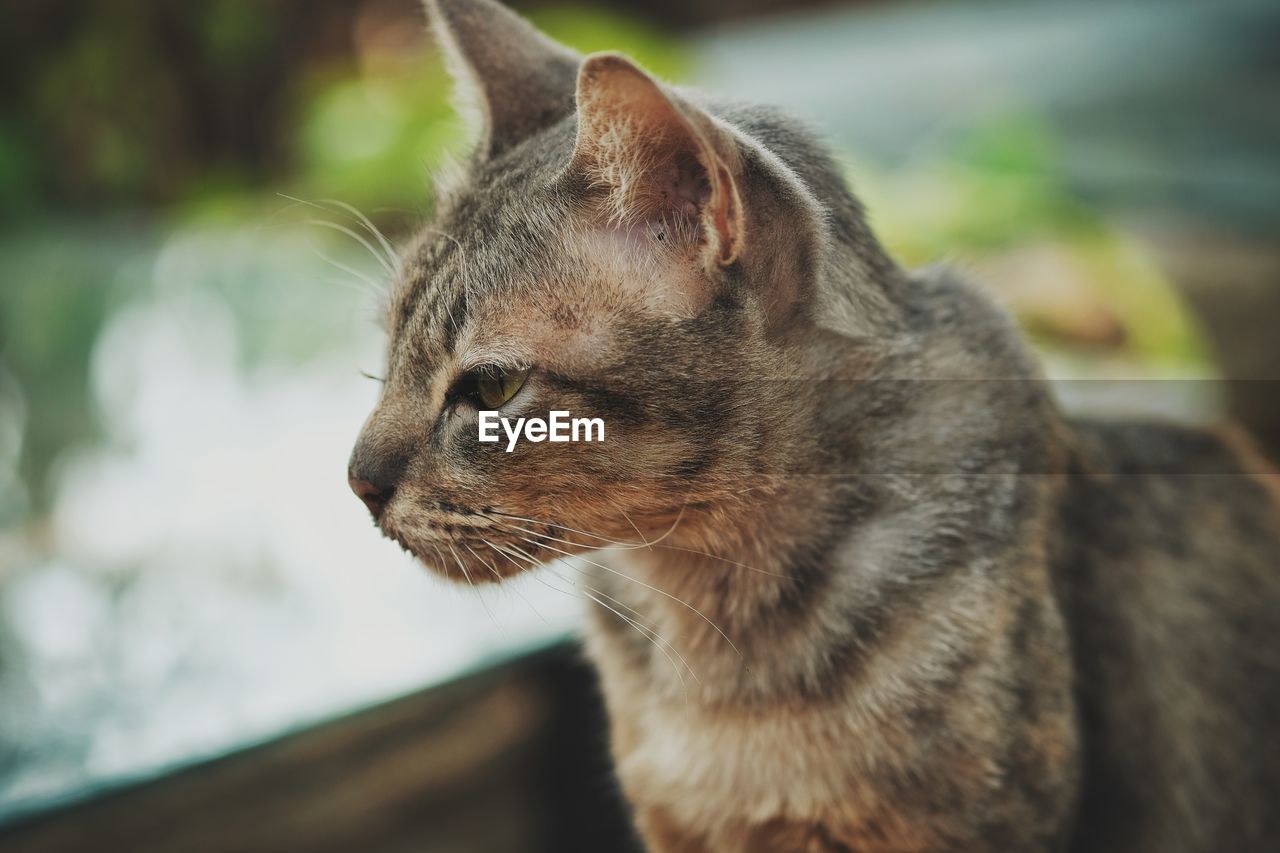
986, 655
871, 591
1093, 668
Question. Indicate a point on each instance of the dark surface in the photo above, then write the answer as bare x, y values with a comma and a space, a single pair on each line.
512, 759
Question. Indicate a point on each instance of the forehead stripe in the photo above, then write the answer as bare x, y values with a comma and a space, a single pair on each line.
451, 319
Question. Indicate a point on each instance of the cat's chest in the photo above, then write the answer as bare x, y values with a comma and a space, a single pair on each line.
730, 773
763, 764
798, 760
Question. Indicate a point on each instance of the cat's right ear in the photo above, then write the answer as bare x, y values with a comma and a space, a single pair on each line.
656, 157
512, 79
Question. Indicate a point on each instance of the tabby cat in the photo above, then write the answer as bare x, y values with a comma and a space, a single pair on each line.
856, 583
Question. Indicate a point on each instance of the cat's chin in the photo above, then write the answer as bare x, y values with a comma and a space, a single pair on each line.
461, 571
472, 563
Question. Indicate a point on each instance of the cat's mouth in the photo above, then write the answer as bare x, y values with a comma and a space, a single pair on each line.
479, 552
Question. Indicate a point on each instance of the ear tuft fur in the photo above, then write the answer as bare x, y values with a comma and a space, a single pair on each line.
512, 78
656, 157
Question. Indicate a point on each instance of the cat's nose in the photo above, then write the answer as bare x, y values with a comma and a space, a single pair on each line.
375, 497
373, 474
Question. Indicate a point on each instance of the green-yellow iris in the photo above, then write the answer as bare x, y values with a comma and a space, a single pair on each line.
495, 386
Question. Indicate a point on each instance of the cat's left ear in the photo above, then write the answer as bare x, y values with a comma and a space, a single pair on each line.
518, 80
656, 157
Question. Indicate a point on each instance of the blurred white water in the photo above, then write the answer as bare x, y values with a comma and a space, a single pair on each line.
205, 578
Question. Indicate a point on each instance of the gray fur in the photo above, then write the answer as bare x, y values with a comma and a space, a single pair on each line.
924, 609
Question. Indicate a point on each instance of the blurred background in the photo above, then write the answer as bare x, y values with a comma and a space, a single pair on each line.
204, 644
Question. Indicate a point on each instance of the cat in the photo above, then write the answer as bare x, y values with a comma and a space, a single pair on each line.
855, 582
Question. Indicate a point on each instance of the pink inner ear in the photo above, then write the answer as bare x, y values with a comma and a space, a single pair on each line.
652, 156
690, 189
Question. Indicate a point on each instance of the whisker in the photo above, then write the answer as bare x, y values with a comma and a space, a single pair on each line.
369, 226
652, 636
466, 278
661, 592
637, 530
658, 641
458, 562
637, 623
570, 529
342, 282
498, 575
672, 528
637, 620
445, 234
342, 229
709, 555
619, 545
354, 213
492, 569
339, 265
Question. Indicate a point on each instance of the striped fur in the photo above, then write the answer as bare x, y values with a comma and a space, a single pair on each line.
863, 587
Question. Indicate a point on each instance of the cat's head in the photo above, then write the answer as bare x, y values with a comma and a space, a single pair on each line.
613, 251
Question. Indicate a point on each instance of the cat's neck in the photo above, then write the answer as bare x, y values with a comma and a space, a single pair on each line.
722, 612
904, 449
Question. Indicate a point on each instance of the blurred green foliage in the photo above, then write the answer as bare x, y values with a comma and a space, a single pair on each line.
146, 132
146, 103
1002, 187
373, 138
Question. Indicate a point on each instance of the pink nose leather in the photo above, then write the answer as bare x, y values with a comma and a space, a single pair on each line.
374, 498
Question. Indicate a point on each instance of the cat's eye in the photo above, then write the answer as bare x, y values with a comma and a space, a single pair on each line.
496, 385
